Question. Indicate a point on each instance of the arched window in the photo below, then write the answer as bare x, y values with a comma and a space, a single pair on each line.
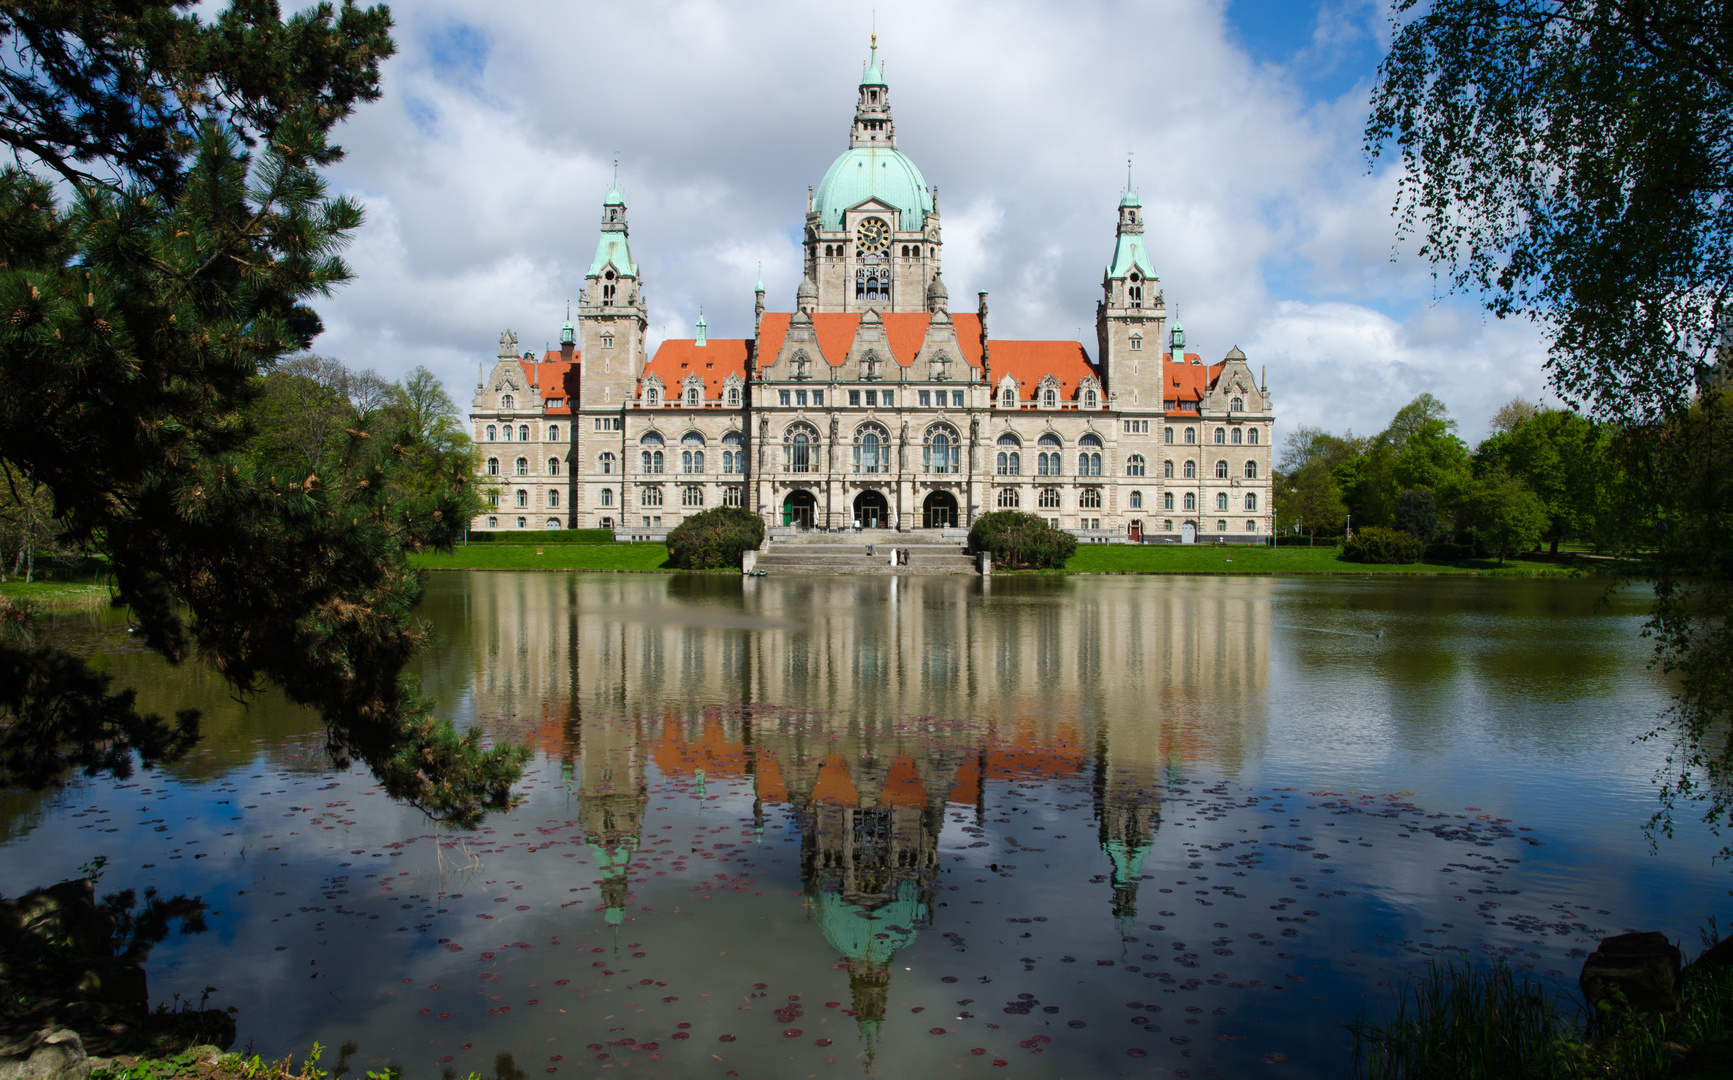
1008, 498
1167, 468
520, 523
505, 433
1237, 405
1191, 500
1049, 499
608, 280
1221, 500
492, 433
522, 466
607, 496
1007, 398
605, 463
1251, 470
505, 401
1239, 436
691, 461
734, 397
552, 523
1010, 459
1190, 435
872, 449
1090, 399
553, 433
1252, 436
1221, 470
1251, 500
553, 466
1221, 436
553, 497
1134, 465
523, 497
493, 498
1167, 500
523, 433
1089, 460
493, 466
733, 461
1047, 460
941, 451
1049, 398
1191, 470
800, 448
1137, 500
652, 397
1167, 435
693, 397
493, 522
651, 456
1251, 526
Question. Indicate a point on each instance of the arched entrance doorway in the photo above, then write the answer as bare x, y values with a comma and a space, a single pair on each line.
872, 511
798, 509
939, 511
1188, 533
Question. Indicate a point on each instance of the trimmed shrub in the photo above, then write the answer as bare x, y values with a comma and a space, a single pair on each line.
542, 536
1378, 545
714, 539
1021, 541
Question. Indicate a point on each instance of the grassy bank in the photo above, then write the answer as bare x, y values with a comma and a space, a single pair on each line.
1208, 559
638, 557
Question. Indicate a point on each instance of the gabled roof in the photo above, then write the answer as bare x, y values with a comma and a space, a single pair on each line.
1030, 361
713, 361
557, 379
1185, 383
905, 331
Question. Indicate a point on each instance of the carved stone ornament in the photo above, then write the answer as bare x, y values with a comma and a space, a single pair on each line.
869, 364
940, 366
802, 364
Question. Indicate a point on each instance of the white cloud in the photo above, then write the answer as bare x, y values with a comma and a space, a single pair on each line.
482, 170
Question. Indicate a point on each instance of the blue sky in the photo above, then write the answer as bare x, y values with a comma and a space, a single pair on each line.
483, 166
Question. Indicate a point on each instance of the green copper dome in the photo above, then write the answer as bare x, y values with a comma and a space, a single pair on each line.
873, 172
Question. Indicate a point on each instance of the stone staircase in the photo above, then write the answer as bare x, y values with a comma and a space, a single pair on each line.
845, 553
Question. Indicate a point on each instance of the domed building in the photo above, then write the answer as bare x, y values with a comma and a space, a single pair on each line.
872, 404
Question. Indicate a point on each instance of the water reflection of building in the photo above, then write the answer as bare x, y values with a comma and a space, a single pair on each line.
1128, 767
613, 793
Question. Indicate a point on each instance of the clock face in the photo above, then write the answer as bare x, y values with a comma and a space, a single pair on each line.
874, 235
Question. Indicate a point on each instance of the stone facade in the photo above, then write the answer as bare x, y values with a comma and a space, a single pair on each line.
872, 402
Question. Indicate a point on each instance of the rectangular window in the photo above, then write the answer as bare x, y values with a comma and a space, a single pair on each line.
889, 398
818, 397
800, 397
607, 423
782, 397
854, 397
956, 399
1136, 344
925, 398
872, 399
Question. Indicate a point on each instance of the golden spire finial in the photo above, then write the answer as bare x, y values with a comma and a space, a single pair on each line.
875, 40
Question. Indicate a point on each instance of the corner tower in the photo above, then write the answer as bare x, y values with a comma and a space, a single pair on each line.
1131, 316
872, 228
612, 314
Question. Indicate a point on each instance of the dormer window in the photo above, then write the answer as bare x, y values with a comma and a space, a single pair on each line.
692, 397
1008, 399
1089, 399
734, 397
652, 398
1050, 398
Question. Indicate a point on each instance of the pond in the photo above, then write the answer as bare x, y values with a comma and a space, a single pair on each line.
809, 826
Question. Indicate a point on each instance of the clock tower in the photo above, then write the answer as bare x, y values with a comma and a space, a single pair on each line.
872, 229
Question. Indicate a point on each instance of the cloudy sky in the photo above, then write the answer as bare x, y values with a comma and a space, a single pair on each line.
483, 167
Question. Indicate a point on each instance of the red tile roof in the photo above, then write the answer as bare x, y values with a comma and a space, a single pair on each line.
1031, 361
713, 361
1184, 384
557, 379
905, 331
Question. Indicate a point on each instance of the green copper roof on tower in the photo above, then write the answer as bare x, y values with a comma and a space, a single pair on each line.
874, 76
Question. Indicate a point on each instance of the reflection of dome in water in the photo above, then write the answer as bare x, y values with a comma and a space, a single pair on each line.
872, 935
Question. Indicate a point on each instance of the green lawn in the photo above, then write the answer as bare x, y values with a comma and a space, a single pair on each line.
1207, 559
55, 594
555, 557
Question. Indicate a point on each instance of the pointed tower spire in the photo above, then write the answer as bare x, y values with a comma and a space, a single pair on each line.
872, 113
